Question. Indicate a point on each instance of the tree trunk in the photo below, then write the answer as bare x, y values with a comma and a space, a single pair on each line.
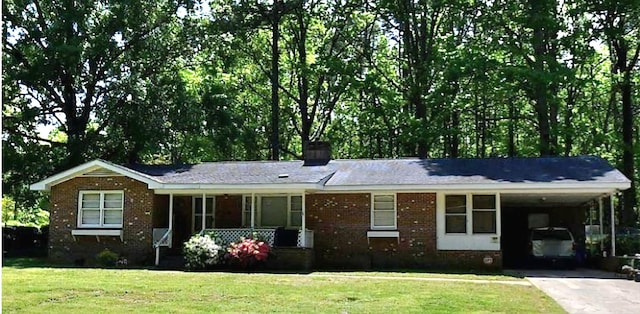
628, 216
275, 80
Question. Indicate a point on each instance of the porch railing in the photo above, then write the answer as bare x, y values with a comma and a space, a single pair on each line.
161, 237
268, 235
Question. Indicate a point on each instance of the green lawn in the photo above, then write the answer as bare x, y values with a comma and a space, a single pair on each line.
29, 287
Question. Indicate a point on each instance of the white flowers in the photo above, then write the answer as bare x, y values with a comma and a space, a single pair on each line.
201, 252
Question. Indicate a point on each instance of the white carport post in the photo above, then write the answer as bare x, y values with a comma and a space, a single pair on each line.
170, 219
204, 210
600, 217
253, 210
303, 240
613, 228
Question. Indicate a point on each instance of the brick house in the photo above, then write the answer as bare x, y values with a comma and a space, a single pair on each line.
415, 213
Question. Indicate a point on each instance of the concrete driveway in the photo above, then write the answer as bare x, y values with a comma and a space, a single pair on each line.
587, 291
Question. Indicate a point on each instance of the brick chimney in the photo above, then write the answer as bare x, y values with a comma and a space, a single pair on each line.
317, 153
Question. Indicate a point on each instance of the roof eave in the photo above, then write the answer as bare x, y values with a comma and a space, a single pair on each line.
608, 187
46, 184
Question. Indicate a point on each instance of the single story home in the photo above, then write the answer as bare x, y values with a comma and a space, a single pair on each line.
344, 213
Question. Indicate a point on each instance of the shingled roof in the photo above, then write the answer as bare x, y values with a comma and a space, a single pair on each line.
370, 174
409, 171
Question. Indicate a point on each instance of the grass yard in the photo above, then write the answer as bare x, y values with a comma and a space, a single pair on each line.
32, 288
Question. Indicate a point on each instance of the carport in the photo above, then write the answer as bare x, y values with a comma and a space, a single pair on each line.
572, 208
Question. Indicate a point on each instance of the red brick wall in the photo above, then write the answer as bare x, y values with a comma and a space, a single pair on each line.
341, 221
137, 223
228, 211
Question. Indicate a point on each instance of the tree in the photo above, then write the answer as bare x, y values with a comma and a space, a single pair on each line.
70, 59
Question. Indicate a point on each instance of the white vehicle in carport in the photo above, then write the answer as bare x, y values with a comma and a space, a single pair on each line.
553, 245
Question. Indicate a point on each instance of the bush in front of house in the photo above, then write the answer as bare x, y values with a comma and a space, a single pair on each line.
202, 252
248, 253
107, 258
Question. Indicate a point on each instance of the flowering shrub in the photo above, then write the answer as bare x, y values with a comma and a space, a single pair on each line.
248, 252
202, 252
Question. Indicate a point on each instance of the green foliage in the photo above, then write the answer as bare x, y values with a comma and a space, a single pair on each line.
14, 216
379, 79
107, 258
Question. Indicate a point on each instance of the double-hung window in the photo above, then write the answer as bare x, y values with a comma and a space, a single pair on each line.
383, 211
100, 209
455, 214
273, 211
484, 214
480, 209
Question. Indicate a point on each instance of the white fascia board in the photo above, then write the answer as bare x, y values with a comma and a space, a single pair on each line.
45, 185
236, 188
596, 187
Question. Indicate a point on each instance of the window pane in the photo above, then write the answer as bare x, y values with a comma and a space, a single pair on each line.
383, 218
456, 204
296, 219
209, 222
112, 217
90, 200
90, 217
273, 211
198, 206
383, 198
247, 219
197, 223
484, 202
112, 200
484, 222
247, 203
456, 224
296, 203
383, 206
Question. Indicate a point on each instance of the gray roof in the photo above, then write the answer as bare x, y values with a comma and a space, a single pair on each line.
393, 171
239, 172
474, 171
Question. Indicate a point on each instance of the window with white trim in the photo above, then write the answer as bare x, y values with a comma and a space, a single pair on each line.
383, 211
481, 209
455, 214
197, 213
484, 213
273, 210
100, 209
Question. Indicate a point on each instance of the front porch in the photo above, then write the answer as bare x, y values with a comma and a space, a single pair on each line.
276, 218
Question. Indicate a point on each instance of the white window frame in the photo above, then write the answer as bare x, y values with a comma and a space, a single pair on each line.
246, 209
468, 241
198, 211
494, 210
465, 214
395, 212
470, 208
101, 208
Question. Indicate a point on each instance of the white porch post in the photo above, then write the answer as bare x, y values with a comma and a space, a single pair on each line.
204, 210
253, 210
170, 219
600, 205
613, 228
303, 240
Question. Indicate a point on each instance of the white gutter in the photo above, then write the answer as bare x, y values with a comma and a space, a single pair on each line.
595, 187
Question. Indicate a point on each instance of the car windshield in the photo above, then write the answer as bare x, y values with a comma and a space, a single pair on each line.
551, 235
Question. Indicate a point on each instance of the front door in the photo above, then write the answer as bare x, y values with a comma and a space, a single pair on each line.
209, 215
